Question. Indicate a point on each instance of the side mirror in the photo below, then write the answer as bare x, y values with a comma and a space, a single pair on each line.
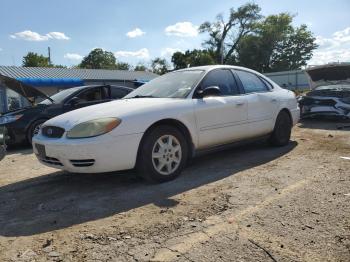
209, 91
75, 100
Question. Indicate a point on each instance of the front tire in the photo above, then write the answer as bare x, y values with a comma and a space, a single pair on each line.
34, 129
282, 130
163, 154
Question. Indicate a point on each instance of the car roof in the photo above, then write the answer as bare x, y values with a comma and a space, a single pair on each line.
212, 67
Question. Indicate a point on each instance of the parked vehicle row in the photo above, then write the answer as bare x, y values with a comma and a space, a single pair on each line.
162, 124
25, 122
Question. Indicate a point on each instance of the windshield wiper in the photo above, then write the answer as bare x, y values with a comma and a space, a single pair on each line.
142, 96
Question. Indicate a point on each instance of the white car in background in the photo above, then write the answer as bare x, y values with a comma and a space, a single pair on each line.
159, 126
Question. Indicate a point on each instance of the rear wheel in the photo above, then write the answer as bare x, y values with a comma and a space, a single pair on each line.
282, 130
163, 154
34, 129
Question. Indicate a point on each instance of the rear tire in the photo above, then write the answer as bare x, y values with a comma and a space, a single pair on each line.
163, 154
34, 129
282, 130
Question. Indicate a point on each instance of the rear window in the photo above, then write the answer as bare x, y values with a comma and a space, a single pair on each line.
117, 93
251, 82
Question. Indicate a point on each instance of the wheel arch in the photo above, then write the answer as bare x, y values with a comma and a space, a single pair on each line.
170, 122
284, 109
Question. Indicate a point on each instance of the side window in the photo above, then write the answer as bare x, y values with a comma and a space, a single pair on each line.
223, 79
118, 92
93, 94
251, 82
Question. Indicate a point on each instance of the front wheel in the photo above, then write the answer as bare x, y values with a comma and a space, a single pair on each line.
163, 154
282, 130
34, 129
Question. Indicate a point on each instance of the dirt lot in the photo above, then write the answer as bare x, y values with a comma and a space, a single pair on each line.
253, 203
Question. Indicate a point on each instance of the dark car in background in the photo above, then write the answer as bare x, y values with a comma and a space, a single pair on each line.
23, 123
330, 92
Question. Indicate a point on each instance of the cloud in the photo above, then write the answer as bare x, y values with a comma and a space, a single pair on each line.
168, 51
338, 38
328, 56
143, 53
182, 29
135, 33
28, 35
332, 49
58, 36
73, 57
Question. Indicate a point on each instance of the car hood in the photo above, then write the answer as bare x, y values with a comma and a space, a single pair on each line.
119, 108
328, 75
27, 91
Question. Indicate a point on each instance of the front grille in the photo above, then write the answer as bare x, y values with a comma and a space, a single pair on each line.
318, 102
83, 162
52, 131
52, 161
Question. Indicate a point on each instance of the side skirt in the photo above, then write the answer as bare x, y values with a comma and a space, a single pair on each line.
213, 149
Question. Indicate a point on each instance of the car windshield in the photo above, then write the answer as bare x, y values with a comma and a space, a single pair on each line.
173, 85
60, 96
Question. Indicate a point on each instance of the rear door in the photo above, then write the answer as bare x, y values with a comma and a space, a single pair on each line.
262, 102
220, 119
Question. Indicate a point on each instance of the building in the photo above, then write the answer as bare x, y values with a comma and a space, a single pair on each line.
53, 80
292, 80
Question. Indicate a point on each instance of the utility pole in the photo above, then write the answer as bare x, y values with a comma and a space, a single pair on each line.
49, 53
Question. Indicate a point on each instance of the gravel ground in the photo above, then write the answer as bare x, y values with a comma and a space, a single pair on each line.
252, 203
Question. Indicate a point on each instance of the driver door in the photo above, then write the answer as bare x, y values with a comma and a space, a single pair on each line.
220, 119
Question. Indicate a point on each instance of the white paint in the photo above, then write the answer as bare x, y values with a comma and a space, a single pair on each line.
211, 121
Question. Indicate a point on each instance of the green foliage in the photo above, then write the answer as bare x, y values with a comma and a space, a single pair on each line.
276, 45
140, 67
99, 59
159, 66
224, 36
35, 60
123, 66
192, 58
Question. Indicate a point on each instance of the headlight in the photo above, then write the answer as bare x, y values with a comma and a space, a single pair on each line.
9, 119
93, 128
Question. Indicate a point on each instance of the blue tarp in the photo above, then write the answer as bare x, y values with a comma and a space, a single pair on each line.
52, 81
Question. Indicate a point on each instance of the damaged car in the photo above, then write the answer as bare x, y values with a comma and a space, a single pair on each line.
23, 123
330, 92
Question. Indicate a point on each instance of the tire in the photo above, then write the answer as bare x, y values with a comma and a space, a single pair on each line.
282, 130
34, 128
158, 161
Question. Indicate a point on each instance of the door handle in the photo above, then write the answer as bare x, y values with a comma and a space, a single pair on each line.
240, 103
274, 100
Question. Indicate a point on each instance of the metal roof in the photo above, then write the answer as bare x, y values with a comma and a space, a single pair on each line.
84, 74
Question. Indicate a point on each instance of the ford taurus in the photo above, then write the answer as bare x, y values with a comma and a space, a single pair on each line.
159, 126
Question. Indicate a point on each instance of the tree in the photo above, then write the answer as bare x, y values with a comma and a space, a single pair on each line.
35, 60
99, 59
224, 36
192, 58
159, 66
140, 67
122, 66
276, 45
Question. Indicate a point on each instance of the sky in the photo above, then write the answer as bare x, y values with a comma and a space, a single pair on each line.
137, 31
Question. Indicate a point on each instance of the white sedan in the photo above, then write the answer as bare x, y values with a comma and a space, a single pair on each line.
159, 126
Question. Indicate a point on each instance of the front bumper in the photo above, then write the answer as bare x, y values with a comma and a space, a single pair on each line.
295, 115
100, 154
